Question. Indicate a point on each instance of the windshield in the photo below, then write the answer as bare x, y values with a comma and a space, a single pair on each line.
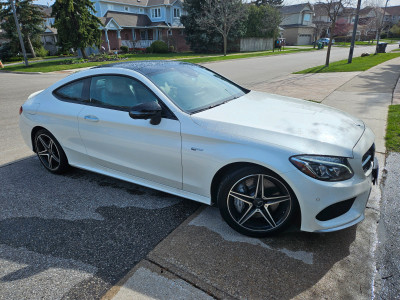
193, 88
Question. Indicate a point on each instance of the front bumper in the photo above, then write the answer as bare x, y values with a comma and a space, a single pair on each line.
315, 196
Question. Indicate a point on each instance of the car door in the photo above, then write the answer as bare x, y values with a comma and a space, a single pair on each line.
116, 141
61, 120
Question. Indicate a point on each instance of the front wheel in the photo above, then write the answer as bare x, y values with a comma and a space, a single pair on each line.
256, 202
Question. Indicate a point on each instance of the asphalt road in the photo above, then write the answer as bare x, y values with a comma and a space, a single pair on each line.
76, 235
252, 71
388, 264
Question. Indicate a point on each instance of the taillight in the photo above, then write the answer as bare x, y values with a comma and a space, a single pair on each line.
20, 110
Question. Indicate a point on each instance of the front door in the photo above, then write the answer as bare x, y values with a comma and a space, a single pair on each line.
116, 141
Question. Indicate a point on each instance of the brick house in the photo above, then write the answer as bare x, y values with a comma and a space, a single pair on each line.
138, 23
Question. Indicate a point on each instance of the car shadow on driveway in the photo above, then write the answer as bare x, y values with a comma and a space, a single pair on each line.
83, 221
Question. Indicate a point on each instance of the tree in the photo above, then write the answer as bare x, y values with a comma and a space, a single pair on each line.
395, 30
262, 21
275, 3
30, 19
333, 9
200, 40
222, 16
77, 26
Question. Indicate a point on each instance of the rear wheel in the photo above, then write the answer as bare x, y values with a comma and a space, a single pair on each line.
50, 152
256, 202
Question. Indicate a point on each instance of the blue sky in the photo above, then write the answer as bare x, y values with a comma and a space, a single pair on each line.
287, 2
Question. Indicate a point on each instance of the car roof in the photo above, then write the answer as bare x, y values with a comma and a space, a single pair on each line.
147, 67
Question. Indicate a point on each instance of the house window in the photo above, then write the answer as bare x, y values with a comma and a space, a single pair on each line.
170, 32
307, 18
156, 12
143, 35
141, 10
126, 8
182, 32
177, 12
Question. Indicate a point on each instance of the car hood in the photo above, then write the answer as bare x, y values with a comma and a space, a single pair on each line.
303, 126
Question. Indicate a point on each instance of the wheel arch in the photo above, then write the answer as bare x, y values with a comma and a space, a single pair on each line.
33, 133
229, 167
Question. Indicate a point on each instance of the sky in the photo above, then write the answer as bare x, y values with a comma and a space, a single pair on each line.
287, 2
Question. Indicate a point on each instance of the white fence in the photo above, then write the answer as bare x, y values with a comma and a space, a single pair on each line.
256, 44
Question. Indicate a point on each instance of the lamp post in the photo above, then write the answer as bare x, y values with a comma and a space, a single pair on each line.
19, 32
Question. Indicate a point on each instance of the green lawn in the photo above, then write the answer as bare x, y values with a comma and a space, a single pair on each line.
393, 129
59, 65
358, 64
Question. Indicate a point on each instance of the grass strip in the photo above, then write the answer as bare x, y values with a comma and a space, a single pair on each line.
358, 64
393, 129
59, 65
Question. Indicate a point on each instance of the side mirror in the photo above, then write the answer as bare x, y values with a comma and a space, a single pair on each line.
149, 110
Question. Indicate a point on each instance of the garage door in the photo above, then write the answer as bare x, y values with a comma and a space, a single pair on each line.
304, 39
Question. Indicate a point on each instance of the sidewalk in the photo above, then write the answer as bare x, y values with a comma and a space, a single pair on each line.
203, 257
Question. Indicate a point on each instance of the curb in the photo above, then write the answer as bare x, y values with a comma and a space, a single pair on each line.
14, 72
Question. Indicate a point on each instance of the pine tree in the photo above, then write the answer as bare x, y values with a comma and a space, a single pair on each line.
31, 19
77, 26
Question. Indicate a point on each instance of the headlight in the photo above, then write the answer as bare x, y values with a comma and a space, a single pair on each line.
327, 168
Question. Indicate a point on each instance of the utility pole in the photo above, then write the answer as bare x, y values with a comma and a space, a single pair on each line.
19, 33
379, 29
353, 38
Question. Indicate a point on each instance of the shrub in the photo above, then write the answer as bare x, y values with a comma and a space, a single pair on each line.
383, 35
124, 49
149, 50
5, 52
159, 47
41, 52
171, 48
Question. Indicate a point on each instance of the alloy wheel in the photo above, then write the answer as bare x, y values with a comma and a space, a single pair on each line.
48, 152
259, 202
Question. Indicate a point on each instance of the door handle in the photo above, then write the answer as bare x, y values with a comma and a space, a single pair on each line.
91, 118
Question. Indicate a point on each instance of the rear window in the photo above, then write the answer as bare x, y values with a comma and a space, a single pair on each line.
72, 91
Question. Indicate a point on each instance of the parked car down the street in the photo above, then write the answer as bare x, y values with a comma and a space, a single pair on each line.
324, 41
185, 130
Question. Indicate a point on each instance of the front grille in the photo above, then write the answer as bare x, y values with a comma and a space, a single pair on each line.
335, 210
368, 158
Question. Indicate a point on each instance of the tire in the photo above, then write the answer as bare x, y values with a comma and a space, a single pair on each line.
50, 152
256, 202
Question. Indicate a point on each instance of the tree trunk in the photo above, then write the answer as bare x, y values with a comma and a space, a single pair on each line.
30, 46
225, 43
328, 53
84, 55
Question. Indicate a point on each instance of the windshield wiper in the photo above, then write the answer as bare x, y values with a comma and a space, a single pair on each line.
214, 105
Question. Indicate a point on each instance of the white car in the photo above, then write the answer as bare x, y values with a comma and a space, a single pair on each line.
185, 130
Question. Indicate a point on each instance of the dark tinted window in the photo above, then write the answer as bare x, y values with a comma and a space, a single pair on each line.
72, 91
119, 92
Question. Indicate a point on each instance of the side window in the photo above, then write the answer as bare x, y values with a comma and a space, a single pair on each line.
118, 92
72, 91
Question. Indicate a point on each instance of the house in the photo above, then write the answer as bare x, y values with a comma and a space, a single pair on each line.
370, 19
138, 23
392, 15
344, 20
49, 35
297, 21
